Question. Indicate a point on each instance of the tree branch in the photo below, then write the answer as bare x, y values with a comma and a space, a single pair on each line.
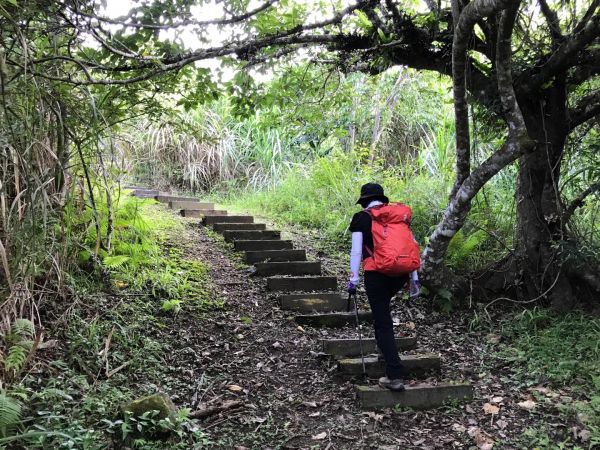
465, 20
552, 20
587, 16
588, 108
579, 201
561, 59
147, 26
588, 65
435, 274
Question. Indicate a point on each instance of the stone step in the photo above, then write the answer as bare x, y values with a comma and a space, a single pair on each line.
413, 364
201, 213
191, 204
305, 284
165, 198
220, 227
421, 396
255, 246
243, 235
252, 257
351, 347
333, 320
288, 268
225, 218
318, 302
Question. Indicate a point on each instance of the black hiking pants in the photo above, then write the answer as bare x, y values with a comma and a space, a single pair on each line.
380, 290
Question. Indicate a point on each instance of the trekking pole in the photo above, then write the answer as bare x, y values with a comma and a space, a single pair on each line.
360, 343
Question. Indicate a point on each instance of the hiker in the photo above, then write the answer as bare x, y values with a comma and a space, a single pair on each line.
384, 276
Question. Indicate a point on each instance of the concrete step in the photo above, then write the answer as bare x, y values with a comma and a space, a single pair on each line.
305, 284
252, 257
318, 302
225, 218
191, 204
243, 235
145, 193
201, 213
351, 347
333, 320
220, 227
262, 245
413, 364
422, 396
166, 198
288, 268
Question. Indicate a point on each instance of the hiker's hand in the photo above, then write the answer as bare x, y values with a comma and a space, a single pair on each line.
352, 287
414, 289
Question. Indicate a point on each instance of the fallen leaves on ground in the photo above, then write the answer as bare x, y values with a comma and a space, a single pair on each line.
235, 388
481, 438
529, 405
320, 436
488, 408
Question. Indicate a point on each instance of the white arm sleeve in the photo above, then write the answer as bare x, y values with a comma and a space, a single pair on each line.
356, 255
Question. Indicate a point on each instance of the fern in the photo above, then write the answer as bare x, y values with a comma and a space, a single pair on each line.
10, 413
470, 244
16, 358
23, 328
114, 262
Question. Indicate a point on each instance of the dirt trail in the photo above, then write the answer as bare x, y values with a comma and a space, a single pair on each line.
291, 396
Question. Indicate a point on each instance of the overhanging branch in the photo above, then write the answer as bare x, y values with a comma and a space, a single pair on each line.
563, 58
122, 21
587, 108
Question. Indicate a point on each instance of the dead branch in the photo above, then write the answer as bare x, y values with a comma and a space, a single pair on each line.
212, 410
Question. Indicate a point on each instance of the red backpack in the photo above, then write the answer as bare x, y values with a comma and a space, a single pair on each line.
395, 251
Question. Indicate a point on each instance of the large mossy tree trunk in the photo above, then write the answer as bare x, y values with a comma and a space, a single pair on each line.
540, 230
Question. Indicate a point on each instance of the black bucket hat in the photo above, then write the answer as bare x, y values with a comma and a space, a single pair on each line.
372, 191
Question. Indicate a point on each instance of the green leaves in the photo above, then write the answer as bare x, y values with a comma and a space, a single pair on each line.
198, 88
114, 262
23, 328
10, 413
15, 359
286, 15
172, 305
363, 21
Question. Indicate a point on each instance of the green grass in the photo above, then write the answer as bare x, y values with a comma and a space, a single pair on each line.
321, 197
562, 351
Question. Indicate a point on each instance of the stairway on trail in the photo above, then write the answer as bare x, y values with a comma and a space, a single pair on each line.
312, 296
187, 206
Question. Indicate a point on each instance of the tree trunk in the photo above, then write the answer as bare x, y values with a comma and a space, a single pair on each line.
539, 211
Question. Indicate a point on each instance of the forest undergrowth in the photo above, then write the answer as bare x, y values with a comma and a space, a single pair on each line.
130, 338
107, 345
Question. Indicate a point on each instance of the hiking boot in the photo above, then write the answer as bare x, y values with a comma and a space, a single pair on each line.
396, 385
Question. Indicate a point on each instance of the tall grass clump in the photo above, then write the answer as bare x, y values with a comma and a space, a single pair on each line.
200, 149
323, 195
